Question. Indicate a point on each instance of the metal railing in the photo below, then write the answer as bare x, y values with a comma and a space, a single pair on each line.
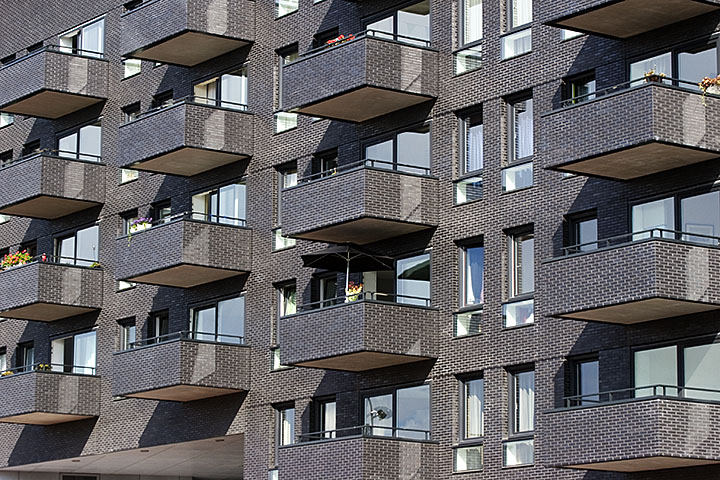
54, 153
56, 49
187, 335
653, 233
368, 162
368, 33
192, 100
659, 390
364, 296
48, 367
368, 431
190, 215
638, 82
51, 259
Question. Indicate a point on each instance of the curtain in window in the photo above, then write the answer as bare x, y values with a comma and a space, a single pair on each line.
473, 20
289, 305
474, 148
523, 128
287, 432
93, 39
521, 12
474, 392
84, 354
234, 90
525, 401
474, 287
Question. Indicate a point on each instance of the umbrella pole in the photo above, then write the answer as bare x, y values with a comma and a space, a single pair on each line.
347, 277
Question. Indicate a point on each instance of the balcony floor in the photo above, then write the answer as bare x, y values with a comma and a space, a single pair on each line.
50, 104
185, 276
43, 418
641, 311
362, 231
362, 104
644, 464
183, 393
46, 312
626, 18
361, 361
187, 162
188, 49
47, 208
638, 161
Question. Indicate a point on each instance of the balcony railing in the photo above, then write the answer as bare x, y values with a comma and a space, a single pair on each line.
50, 259
369, 163
48, 367
188, 335
642, 393
342, 39
366, 431
367, 296
652, 233
190, 215
58, 49
192, 100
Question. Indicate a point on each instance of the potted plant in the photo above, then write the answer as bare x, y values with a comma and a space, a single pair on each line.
653, 76
353, 292
15, 259
710, 85
338, 40
6, 373
138, 225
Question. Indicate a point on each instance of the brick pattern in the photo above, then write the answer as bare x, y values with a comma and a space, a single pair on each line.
49, 392
181, 362
52, 177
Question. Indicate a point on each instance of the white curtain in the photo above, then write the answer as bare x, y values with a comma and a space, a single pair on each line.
234, 91
525, 398
84, 355
93, 39
474, 408
524, 129
474, 146
473, 20
521, 12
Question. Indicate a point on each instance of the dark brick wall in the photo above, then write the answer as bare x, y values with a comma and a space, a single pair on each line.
181, 362
49, 392
54, 177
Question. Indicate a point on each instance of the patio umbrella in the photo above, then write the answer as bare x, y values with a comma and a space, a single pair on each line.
348, 258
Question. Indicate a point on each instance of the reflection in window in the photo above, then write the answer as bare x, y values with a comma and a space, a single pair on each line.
468, 190
468, 459
410, 24
468, 323
88, 40
229, 90
74, 354
80, 248
518, 452
658, 214
412, 418
222, 322
284, 7
83, 144
468, 59
407, 151
516, 43
517, 177
226, 205
413, 280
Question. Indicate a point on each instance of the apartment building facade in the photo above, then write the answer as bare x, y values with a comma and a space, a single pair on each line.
371, 239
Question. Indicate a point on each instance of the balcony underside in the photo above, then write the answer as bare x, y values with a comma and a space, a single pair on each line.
362, 231
50, 104
46, 312
187, 161
626, 18
361, 361
43, 418
185, 276
362, 104
644, 464
638, 161
47, 208
640, 311
188, 48
182, 393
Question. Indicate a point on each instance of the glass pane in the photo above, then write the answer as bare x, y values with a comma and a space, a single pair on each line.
653, 367
233, 89
468, 458
519, 453
413, 412
413, 280
288, 305
587, 233
286, 6
91, 143
413, 148
660, 64
84, 354
385, 25
93, 39
524, 384
232, 204
66, 250
468, 190
693, 66
231, 320
468, 60
67, 146
589, 382
131, 66
474, 406
127, 175
285, 121
287, 426
701, 215
521, 13
517, 177
516, 44
379, 414
87, 245
414, 22
3, 362
204, 324
473, 145
701, 371
524, 262
519, 313
659, 214
473, 26
523, 129
473, 271
468, 323
328, 419
383, 152
568, 34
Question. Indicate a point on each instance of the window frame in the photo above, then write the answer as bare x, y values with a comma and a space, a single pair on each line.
279, 430
154, 320
76, 131
366, 21
464, 120
509, 27
21, 357
463, 439
462, 44
513, 406
215, 190
393, 136
512, 132
463, 246
575, 363
125, 325
513, 237
58, 239
72, 335
573, 222
194, 309
674, 52
392, 390
217, 79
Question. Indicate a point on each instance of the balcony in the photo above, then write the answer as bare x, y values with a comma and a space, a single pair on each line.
635, 430
362, 78
49, 186
360, 332
185, 250
182, 367
625, 18
361, 203
356, 454
636, 130
635, 278
198, 135
47, 289
37, 395
52, 83
191, 32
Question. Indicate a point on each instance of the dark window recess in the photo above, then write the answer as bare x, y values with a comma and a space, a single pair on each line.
4, 251
582, 229
132, 5
580, 88
35, 47
164, 99
131, 112
8, 59
31, 148
325, 162
158, 325
30, 247
6, 158
321, 39
160, 211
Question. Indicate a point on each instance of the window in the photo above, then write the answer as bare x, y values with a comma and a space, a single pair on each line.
29, 247
284, 121
273, 474
25, 357
471, 22
410, 24
468, 323
127, 333
35, 47
325, 163
522, 418
521, 259
519, 14
517, 177
413, 280
403, 413
583, 232
161, 212
31, 148
285, 425
688, 63
74, 354
285, 7
3, 359
164, 99
132, 5
6, 158
699, 218
468, 459
516, 44
127, 175
472, 408
327, 418
131, 112
580, 89
468, 59
468, 190
88, 40
8, 59
586, 381
220, 322
131, 67
6, 119
158, 325
127, 219
472, 260
520, 129
321, 39
226, 205
569, 34
325, 290
287, 304
287, 178
658, 214
79, 248
123, 285
407, 151
228, 91
471, 127
82, 144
